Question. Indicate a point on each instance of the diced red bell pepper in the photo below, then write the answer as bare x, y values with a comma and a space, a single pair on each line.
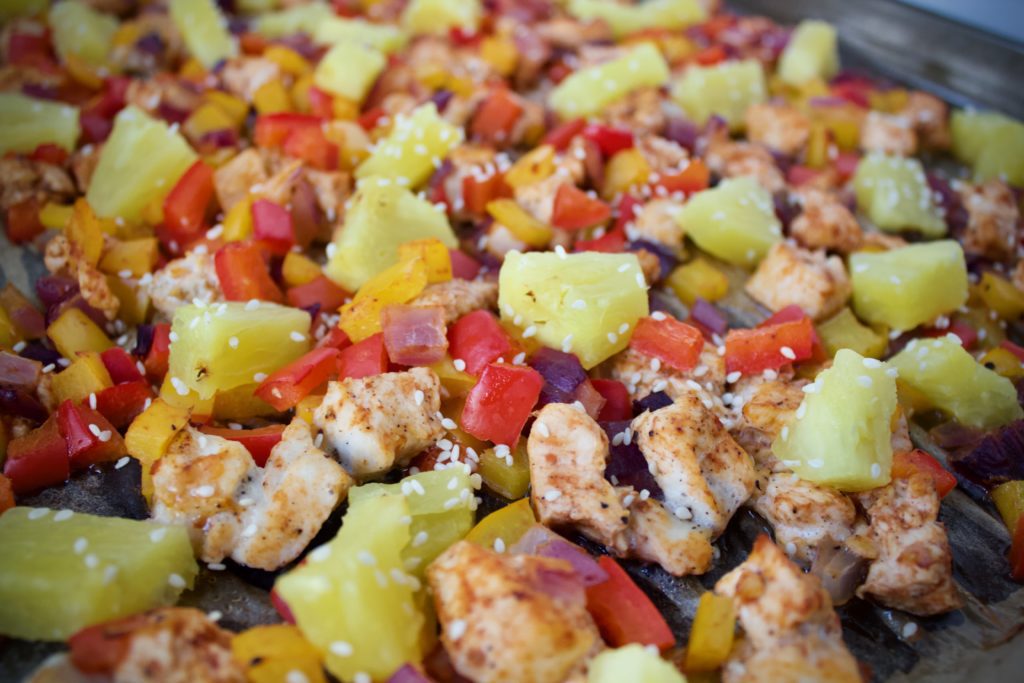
711, 55
6, 494
244, 275
22, 221
590, 398
309, 144
478, 339
574, 209
282, 607
1017, 551
560, 136
334, 339
612, 242
49, 153
846, 165
694, 178
623, 613
674, 343
463, 37
95, 128
90, 437
617, 403
159, 355
464, 266
906, 463
364, 359
272, 226
477, 192
967, 335
794, 313
186, 205
769, 348
38, 459
321, 103
499, 405
122, 403
801, 175
271, 130
495, 117
371, 118
1013, 348
120, 365
610, 139
292, 383
855, 92
322, 291
31, 50
259, 442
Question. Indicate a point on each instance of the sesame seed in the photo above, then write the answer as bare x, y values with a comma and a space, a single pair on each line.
790, 548
456, 629
529, 331
787, 353
520, 358
216, 567
640, 281
366, 557
909, 629
80, 545
362, 677
420, 538
233, 342
624, 267
252, 304
864, 381
341, 648
579, 304
176, 581
449, 424
94, 429
91, 561
259, 377
179, 386
872, 363
659, 315
612, 337
249, 531
297, 336
38, 513
785, 433
63, 515
876, 470
733, 377
542, 429
552, 494
204, 491
459, 364
109, 574
816, 463
418, 397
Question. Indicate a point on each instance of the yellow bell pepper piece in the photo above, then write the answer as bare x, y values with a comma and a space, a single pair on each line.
519, 222
240, 404
288, 59
1003, 362
305, 408
817, 147
8, 334
192, 70
344, 109
508, 481
299, 270
137, 256
82, 72
85, 231
711, 636
86, 375
531, 168
207, 118
235, 107
843, 122
508, 524
434, 253
272, 98
890, 101
55, 216
1001, 296
397, 284
73, 331
845, 331
698, 278
456, 383
501, 53
270, 653
134, 309
238, 221
150, 434
1009, 500
626, 169
300, 93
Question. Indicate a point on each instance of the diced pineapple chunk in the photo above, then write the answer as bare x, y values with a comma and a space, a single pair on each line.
734, 221
81, 31
439, 16
409, 152
812, 53
227, 345
895, 195
346, 599
906, 287
62, 571
384, 37
632, 663
303, 18
589, 90
349, 70
26, 123
725, 89
951, 380
991, 143
844, 331
586, 304
507, 480
139, 164
630, 18
204, 30
380, 218
841, 433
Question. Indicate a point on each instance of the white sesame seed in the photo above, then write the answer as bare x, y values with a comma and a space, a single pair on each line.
787, 353
80, 545
459, 364
249, 531
909, 629
733, 377
612, 337
176, 581
785, 433
790, 548
659, 315
579, 304
216, 567
37, 513
872, 363
91, 561
420, 538
456, 629
296, 336
233, 342
63, 515
542, 429
876, 470
179, 387
362, 677
204, 491
552, 494
864, 381
259, 377
816, 463
92, 400
529, 331
449, 424
341, 648
366, 557
418, 397
94, 429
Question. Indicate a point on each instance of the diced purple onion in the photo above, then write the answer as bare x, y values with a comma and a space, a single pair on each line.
151, 43
27, 318
441, 98
998, 457
682, 132
659, 302
652, 402
219, 139
76, 301
19, 372
20, 403
414, 335
562, 373
667, 260
952, 435
709, 316
37, 350
409, 674
544, 542
171, 114
143, 340
786, 210
625, 461
55, 289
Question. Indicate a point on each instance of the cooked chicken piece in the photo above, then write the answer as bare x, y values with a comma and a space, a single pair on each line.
165, 645
500, 241
285, 172
803, 514
992, 219
161, 89
571, 164
734, 159
764, 407
644, 375
299, 487
875, 238
825, 222
572, 34
467, 160
655, 535
538, 199
528, 126
65, 257
459, 297
792, 632
640, 111
656, 222
139, 57
243, 76
650, 266
790, 275
663, 155
781, 127
901, 433
375, 422
24, 179
182, 281
889, 134
234, 180
703, 472
930, 118
914, 568
511, 618
568, 452
332, 189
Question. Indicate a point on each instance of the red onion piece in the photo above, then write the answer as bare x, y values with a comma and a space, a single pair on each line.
409, 674
625, 461
22, 313
22, 404
952, 435
414, 335
544, 542
562, 374
996, 458
840, 570
54, 289
709, 316
19, 372
76, 301
590, 397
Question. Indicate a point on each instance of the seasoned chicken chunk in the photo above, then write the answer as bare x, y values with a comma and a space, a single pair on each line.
930, 118
644, 375
63, 256
888, 133
792, 632
375, 422
640, 111
735, 159
233, 181
790, 275
992, 220
459, 297
24, 179
511, 618
803, 514
568, 452
765, 406
656, 222
913, 571
538, 199
680, 547
704, 474
182, 281
781, 127
825, 222
243, 76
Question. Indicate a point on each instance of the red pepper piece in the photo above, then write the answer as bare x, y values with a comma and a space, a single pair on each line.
365, 359
464, 266
478, 339
321, 103
159, 355
101, 648
38, 459
271, 130
259, 442
120, 365
90, 437
675, 344
694, 178
244, 275
22, 221
49, 153
292, 383
617, 403
711, 55
574, 209
122, 403
907, 463
624, 613
794, 313
610, 139
499, 405
272, 226
560, 136
186, 205
334, 339
320, 291
309, 144
477, 192
496, 116
753, 351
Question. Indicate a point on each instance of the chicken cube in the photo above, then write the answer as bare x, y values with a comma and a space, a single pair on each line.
459, 297
736, 159
233, 181
640, 111
781, 127
992, 219
825, 222
376, 422
804, 514
930, 118
62, 256
644, 375
479, 594
888, 134
680, 547
789, 275
243, 76
182, 281
24, 179
656, 222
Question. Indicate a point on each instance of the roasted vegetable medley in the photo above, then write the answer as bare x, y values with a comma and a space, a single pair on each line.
446, 319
